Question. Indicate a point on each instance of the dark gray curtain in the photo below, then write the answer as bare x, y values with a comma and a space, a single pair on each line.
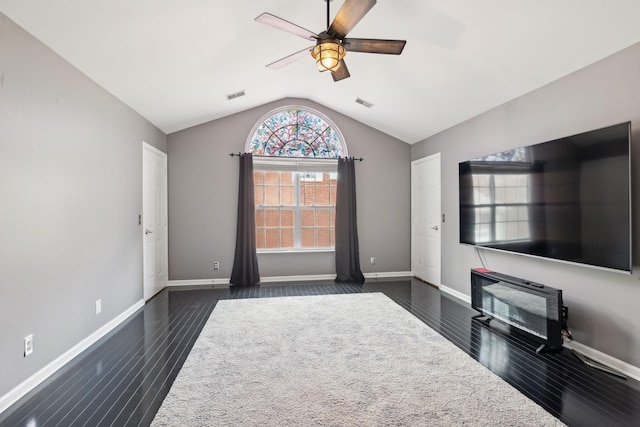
347, 250
245, 263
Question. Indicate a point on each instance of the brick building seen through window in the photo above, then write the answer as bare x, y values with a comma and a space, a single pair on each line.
295, 210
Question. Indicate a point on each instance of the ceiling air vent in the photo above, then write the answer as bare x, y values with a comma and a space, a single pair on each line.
363, 102
235, 95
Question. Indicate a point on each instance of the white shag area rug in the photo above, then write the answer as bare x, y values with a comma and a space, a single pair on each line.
335, 360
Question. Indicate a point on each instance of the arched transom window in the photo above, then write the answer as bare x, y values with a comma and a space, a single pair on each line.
296, 132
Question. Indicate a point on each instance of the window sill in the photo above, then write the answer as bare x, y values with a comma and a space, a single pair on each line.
294, 251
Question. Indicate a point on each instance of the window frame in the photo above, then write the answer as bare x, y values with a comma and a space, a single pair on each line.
259, 128
298, 167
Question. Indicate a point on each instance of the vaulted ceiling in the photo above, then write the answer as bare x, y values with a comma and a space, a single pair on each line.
175, 61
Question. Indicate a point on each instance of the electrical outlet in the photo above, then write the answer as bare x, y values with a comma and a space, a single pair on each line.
98, 306
373, 260
216, 265
28, 345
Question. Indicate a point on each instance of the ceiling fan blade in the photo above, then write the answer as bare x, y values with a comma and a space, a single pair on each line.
348, 16
280, 63
284, 25
341, 73
391, 47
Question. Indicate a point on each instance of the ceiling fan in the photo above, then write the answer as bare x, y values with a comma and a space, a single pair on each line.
332, 44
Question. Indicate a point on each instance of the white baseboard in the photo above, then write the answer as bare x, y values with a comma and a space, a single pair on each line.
215, 283
603, 358
27, 385
301, 278
464, 297
388, 274
593, 354
224, 283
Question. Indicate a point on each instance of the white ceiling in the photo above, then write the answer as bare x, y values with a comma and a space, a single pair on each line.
174, 61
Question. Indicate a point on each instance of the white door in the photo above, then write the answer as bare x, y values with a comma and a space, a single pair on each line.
425, 219
154, 220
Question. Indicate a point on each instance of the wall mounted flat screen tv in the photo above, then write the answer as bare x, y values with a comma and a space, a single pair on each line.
568, 199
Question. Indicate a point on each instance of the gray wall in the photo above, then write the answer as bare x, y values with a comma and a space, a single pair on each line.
203, 188
70, 196
603, 305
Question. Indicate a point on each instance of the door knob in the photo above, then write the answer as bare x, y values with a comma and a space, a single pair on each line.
147, 231
435, 227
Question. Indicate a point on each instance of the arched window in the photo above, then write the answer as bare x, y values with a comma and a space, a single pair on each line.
296, 132
295, 176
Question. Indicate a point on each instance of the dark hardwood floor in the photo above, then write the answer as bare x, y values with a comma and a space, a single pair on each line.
123, 378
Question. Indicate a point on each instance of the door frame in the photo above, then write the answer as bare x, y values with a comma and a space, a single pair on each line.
413, 165
150, 148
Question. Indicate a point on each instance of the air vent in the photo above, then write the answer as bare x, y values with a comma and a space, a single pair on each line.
235, 95
365, 103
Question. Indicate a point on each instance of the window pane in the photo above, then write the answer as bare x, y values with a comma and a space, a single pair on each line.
258, 178
308, 238
258, 195
308, 217
310, 176
322, 218
272, 238
272, 198
287, 196
286, 217
271, 218
323, 236
286, 178
286, 238
259, 218
322, 195
307, 194
272, 178
260, 238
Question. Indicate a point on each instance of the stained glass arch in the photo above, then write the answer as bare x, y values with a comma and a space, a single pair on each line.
296, 131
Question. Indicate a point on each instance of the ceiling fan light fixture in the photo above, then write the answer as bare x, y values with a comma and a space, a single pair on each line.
328, 54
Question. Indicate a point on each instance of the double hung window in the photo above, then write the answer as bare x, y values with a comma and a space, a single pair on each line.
295, 204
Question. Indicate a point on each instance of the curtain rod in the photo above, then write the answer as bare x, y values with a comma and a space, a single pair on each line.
306, 158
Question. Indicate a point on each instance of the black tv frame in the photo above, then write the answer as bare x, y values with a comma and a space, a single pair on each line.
522, 248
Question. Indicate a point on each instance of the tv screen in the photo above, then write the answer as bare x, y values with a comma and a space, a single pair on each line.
568, 199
